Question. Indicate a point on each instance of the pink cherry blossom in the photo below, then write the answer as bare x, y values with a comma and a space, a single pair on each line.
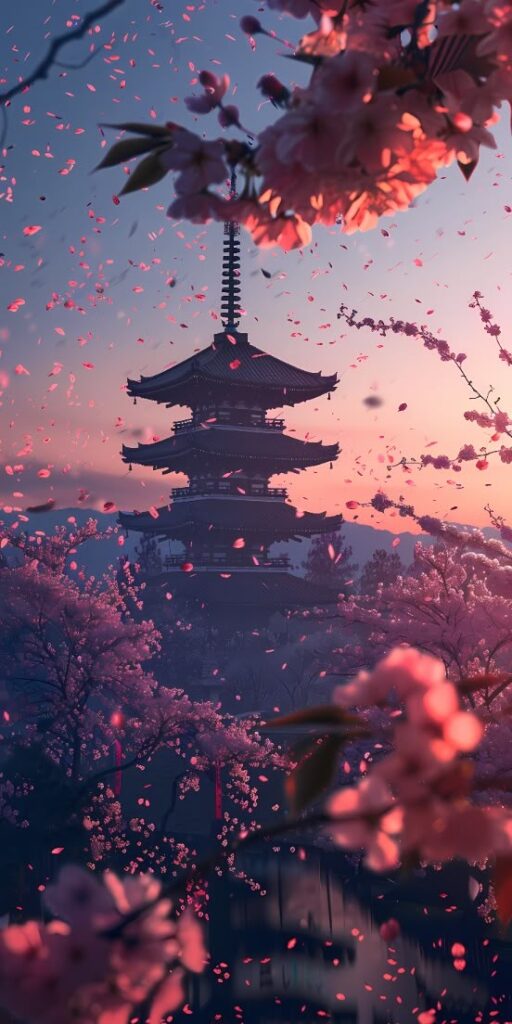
499, 40
88, 974
200, 163
469, 18
289, 232
373, 126
303, 8
203, 104
197, 207
442, 831
215, 86
373, 825
344, 82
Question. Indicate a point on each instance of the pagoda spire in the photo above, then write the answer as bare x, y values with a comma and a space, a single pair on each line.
229, 515
230, 293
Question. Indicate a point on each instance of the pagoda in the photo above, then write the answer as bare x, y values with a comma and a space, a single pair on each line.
228, 515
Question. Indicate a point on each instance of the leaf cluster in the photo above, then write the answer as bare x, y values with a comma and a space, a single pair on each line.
316, 754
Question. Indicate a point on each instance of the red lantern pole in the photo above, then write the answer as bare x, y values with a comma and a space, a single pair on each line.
118, 757
218, 793
117, 720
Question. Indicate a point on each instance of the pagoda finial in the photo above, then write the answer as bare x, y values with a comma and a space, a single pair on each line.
230, 293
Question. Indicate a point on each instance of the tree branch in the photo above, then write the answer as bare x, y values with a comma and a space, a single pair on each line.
41, 70
281, 828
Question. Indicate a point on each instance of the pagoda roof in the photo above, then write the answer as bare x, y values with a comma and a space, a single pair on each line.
231, 446
240, 515
231, 361
250, 588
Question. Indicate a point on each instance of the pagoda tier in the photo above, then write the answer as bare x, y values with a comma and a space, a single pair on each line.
235, 368
228, 516
230, 447
201, 517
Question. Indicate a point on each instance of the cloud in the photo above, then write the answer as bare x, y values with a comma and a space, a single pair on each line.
85, 486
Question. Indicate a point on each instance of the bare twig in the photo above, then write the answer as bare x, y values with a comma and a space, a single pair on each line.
42, 69
429, 341
81, 64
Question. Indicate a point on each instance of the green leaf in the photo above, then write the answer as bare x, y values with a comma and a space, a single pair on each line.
125, 150
314, 774
467, 169
154, 131
304, 746
147, 173
305, 58
471, 684
323, 714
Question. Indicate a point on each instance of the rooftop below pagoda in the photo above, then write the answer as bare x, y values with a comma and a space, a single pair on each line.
232, 365
259, 589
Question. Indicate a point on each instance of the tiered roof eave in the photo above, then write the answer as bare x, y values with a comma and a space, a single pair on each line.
233, 447
228, 515
232, 363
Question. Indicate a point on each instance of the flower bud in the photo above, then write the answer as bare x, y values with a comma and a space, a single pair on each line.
229, 116
208, 79
273, 89
250, 25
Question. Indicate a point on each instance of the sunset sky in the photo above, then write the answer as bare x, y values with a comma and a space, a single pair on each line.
65, 410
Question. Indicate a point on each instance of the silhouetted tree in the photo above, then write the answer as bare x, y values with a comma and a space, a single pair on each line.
148, 556
383, 567
328, 563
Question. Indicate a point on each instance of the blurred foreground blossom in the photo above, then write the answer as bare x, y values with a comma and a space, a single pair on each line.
73, 969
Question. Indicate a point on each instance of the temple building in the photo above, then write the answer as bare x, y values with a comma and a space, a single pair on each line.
228, 516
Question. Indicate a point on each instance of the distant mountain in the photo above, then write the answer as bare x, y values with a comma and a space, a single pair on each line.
95, 556
364, 541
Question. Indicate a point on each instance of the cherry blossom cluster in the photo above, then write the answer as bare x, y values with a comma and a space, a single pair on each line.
113, 947
415, 803
449, 533
78, 701
492, 328
490, 417
467, 624
454, 601
53, 551
399, 90
91, 963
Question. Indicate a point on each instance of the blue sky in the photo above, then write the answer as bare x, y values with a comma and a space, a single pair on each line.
114, 263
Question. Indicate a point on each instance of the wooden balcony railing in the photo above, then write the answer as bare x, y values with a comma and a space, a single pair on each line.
213, 564
228, 487
180, 426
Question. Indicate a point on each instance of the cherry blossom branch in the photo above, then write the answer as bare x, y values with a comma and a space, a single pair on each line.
115, 768
243, 841
490, 326
495, 419
499, 523
447, 532
439, 345
465, 454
